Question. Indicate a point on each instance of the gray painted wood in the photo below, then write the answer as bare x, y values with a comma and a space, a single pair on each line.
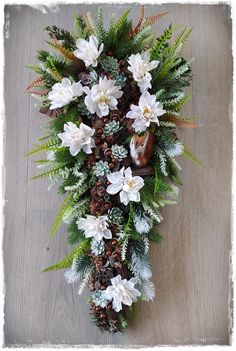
191, 266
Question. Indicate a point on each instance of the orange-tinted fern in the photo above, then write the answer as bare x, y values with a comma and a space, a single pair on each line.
185, 123
152, 19
134, 31
36, 82
69, 55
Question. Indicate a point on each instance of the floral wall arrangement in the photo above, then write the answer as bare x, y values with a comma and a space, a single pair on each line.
113, 98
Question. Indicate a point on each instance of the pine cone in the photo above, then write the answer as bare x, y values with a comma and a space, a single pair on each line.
104, 276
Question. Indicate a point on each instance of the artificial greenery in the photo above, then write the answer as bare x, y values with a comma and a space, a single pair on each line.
84, 174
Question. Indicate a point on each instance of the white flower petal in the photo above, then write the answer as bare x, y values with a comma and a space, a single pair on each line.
96, 227
102, 97
124, 197
114, 188
77, 89
121, 291
88, 51
77, 138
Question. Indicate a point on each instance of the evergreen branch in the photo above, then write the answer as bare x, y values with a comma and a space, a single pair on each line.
154, 214
124, 248
140, 265
63, 35
85, 280
154, 235
162, 163
146, 244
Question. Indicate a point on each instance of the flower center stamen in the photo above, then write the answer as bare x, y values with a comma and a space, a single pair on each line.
146, 112
130, 183
103, 99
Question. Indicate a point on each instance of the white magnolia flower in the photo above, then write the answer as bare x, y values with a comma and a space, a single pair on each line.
147, 112
95, 227
88, 51
77, 138
140, 66
63, 93
102, 97
128, 186
122, 291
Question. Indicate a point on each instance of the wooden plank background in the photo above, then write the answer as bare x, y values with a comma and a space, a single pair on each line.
191, 266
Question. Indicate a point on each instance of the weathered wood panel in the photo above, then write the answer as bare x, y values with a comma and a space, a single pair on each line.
191, 266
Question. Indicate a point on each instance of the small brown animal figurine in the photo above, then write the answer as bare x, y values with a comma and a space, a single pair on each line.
141, 148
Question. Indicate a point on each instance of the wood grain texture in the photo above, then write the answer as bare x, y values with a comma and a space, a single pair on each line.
191, 266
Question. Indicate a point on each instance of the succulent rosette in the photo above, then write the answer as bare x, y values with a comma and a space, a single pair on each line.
113, 97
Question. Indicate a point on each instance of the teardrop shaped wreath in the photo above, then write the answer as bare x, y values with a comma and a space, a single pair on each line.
114, 98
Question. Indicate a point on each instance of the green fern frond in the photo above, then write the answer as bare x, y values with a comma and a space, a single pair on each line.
140, 36
101, 32
190, 155
50, 173
161, 42
182, 69
67, 261
177, 103
43, 161
45, 137
181, 39
112, 21
120, 21
50, 145
66, 205
165, 68
91, 23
